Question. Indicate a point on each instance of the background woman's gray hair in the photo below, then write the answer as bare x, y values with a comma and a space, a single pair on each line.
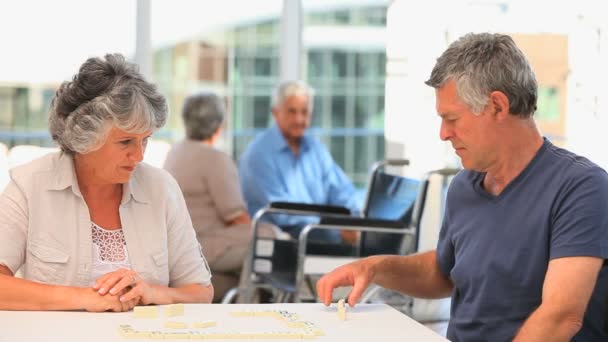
291, 88
203, 114
485, 62
106, 91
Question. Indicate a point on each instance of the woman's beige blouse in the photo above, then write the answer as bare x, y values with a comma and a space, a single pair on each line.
45, 226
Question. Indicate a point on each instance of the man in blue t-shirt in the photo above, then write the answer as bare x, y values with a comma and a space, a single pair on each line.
524, 240
285, 164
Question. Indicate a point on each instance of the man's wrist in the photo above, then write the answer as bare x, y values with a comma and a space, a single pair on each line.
374, 267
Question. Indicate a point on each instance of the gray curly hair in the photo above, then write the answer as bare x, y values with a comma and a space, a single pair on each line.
291, 88
106, 91
484, 62
203, 114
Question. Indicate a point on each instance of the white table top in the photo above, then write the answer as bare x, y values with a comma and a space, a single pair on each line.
365, 322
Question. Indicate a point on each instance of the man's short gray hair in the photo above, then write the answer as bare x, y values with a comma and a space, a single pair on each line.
203, 114
106, 91
291, 88
482, 63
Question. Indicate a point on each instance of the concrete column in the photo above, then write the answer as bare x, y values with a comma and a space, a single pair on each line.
290, 54
143, 42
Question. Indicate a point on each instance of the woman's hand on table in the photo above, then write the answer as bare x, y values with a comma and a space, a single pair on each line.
93, 301
127, 285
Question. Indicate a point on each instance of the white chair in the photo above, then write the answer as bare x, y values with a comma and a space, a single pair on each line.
22, 154
156, 152
433, 310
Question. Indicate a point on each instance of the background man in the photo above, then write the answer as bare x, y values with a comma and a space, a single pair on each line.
285, 164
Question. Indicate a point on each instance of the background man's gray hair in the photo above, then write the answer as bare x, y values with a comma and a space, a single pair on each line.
106, 91
482, 63
291, 88
203, 114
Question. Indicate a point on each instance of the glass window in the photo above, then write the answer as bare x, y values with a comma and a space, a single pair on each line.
338, 61
376, 117
21, 106
266, 30
362, 110
362, 161
338, 111
315, 64
240, 144
548, 104
262, 66
261, 111
337, 149
317, 111
381, 65
342, 16
379, 147
346, 75
6, 107
237, 107
363, 65
375, 16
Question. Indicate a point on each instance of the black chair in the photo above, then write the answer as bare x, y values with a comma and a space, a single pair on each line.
396, 206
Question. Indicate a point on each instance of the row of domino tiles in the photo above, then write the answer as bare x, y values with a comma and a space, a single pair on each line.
309, 329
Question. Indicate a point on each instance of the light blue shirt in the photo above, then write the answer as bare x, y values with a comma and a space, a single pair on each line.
271, 172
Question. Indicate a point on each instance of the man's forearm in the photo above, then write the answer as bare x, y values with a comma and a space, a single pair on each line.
547, 325
416, 275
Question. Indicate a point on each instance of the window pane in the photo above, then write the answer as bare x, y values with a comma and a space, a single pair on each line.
362, 161
261, 111
379, 147
342, 17
338, 111
362, 110
362, 65
262, 66
317, 111
338, 61
315, 64
338, 150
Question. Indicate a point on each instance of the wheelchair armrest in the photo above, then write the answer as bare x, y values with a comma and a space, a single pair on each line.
313, 208
361, 222
303, 237
302, 209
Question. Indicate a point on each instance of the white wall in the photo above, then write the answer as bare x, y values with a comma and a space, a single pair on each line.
418, 32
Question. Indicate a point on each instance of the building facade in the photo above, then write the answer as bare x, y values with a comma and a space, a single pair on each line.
242, 63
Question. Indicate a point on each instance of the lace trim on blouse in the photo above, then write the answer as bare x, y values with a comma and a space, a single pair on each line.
111, 244
109, 252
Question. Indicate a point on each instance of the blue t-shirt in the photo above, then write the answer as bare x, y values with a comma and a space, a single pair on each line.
496, 249
270, 172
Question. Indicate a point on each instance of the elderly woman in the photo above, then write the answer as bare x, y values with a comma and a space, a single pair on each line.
210, 183
91, 227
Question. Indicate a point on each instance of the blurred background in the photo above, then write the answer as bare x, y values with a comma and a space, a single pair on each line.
367, 60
